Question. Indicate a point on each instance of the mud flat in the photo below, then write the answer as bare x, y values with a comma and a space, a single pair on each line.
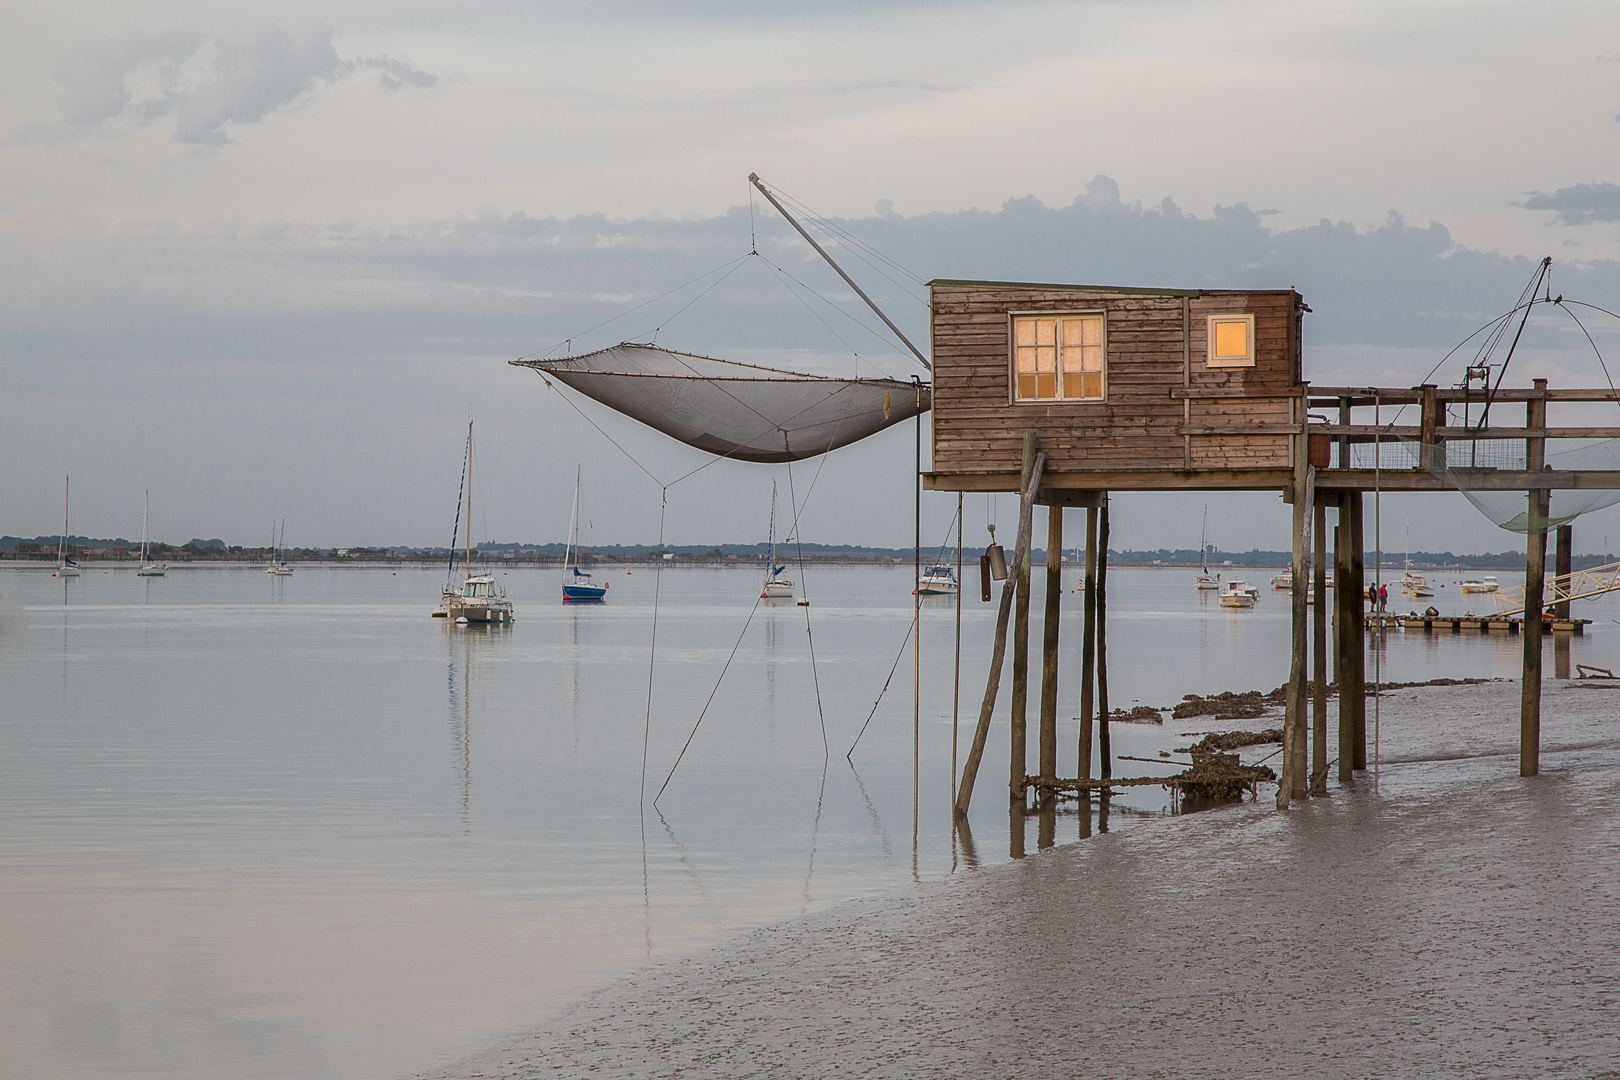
1450, 920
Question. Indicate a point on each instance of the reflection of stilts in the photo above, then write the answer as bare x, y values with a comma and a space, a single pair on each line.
815, 838
877, 822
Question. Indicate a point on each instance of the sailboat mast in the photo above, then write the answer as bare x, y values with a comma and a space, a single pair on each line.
573, 527
468, 567
146, 513
61, 544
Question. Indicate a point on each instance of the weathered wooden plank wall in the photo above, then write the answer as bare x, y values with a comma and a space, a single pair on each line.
1155, 415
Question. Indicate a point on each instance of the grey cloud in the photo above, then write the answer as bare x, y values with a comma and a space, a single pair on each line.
254, 75
95, 71
396, 74
1578, 205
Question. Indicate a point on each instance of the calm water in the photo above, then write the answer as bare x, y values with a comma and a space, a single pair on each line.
276, 827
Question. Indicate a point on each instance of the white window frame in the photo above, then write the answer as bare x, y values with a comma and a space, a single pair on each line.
1211, 360
1012, 356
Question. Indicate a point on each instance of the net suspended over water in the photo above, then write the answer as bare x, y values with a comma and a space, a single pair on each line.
733, 409
1477, 467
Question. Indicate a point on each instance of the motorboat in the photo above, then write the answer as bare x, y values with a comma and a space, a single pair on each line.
1282, 581
937, 580
1486, 584
1238, 594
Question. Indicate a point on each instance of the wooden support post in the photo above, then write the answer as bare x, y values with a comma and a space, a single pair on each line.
1049, 640
1535, 574
1431, 454
1293, 781
1088, 643
1104, 747
1319, 666
998, 653
1355, 687
1344, 599
1344, 440
1562, 562
1018, 764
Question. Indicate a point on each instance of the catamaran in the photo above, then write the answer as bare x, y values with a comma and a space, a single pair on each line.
65, 567
479, 599
776, 587
148, 567
577, 586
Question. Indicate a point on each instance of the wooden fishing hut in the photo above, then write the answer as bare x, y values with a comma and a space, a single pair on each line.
1066, 392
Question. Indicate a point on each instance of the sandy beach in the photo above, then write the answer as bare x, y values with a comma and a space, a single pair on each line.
1450, 919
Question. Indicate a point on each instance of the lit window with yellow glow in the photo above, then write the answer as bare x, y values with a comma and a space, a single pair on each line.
1231, 341
1058, 358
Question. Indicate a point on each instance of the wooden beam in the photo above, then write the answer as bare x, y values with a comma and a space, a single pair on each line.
1267, 479
970, 770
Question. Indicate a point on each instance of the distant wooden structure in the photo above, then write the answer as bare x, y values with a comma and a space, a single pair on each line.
1067, 392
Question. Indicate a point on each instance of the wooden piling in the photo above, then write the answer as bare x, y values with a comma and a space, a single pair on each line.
1344, 644
1535, 573
970, 771
1355, 686
1049, 639
1088, 643
1293, 785
1319, 665
1562, 562
1018, 764
1104, 748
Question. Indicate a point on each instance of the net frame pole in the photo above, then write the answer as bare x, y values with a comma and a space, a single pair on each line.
753, 178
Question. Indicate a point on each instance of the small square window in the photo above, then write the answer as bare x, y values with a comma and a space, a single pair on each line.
1231, 341
1058, 358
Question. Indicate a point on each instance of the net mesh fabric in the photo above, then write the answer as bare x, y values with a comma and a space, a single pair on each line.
1473, 466
732, 409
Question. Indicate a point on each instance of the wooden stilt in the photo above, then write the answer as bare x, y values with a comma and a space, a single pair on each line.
1088, 643
1104, 749
1344, 597
1355, 687
1562, 562
1535, 573
1049, 640
1319, 665
1293, 781
1018, 764
1015, 830
970, 771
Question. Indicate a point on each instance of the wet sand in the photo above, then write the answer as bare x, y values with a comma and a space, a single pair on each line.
1453, 920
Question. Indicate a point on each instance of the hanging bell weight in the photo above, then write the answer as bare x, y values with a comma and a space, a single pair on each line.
984, 578
998, 562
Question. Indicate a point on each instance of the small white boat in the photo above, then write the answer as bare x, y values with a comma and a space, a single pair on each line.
1282, 581
1239, 595
148, 567
1486, 584
279, 567
937, 580
1206, 580
65, 567
775, 587
479, 599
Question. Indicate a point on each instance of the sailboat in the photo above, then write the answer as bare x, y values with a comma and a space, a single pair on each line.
1412, 582
577, 586
65, 567
148, 567
1206, 580
278, 565
776, 586
479, 599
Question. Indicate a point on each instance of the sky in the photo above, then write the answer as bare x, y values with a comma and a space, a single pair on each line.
266, 261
